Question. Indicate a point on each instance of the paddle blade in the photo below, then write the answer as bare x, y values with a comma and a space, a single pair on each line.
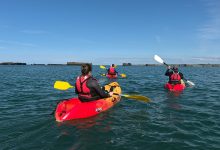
62, 85
102, 67
158, 59
103, 74
190, 83
123, 75
137, 97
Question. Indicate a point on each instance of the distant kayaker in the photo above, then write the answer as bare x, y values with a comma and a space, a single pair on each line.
87, 87
112, 70
174, 75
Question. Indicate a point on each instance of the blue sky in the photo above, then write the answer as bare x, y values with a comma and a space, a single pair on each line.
110, 31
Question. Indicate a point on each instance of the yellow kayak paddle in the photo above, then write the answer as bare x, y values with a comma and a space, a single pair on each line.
123, 75
137, 97
62, 85
102, 67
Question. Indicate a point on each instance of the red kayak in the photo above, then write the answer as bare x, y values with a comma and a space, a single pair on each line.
75, 109
111, 76
176, 87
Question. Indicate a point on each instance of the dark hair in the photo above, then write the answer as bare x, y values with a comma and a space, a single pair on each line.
86, 68
113, 65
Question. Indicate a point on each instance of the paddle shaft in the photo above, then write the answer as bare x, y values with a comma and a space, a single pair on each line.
118, 94
136, 97
165, 64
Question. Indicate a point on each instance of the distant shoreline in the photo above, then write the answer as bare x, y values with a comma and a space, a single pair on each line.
124, 64
68, 63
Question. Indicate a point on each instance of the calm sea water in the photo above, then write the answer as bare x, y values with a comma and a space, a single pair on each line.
190, 120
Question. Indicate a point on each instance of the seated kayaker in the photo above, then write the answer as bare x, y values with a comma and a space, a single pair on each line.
87, 87
112, 70
174, 75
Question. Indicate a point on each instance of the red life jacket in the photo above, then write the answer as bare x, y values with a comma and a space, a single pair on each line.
81, 85
175, 77
111, 71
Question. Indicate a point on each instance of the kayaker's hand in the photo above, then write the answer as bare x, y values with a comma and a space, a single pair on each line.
110, 93
168, 67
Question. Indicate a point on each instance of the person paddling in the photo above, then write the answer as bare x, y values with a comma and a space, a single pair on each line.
112, 70
87, 87
175, 76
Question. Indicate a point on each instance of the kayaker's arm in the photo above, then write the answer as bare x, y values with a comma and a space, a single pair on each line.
168, 72
116, 71
181, 75
76, 91
94, 84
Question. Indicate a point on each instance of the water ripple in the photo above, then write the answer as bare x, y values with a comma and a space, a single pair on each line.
188, 120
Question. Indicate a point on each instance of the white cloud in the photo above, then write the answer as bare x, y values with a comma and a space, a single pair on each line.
212, 59
34, 31
210, 32
17, 43
158, 39
4, 26
211, 29
194, 60
120, 60
2, 47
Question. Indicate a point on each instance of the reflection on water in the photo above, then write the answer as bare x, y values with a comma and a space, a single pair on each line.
85, 123
171, 94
